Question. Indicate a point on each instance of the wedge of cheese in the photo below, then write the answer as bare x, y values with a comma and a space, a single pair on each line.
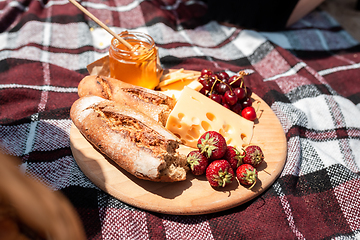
194, 114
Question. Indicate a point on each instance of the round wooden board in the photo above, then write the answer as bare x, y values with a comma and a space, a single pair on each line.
194, 195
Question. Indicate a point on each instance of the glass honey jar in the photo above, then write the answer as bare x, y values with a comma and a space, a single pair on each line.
139, 65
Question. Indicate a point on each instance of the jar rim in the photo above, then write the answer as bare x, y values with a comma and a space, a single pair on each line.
126, 35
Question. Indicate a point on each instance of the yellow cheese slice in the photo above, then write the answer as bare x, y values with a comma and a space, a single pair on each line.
179, 85
188, 77
194, 114
178, 79
174, 90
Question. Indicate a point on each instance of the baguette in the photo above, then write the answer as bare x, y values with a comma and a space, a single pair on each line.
150, 102
133, 140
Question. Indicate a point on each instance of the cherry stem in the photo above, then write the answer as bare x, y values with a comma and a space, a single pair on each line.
212, 87
242, 73
258, 106
235, 80
229, 85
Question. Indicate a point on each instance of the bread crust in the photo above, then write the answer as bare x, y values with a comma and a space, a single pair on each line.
133, 140
152, 103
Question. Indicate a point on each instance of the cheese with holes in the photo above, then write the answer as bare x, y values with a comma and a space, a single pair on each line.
194, 114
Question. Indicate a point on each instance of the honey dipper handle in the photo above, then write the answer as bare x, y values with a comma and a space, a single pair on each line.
101, 24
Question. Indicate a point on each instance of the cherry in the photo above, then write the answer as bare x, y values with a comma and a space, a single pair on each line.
237, 108
248, 91
207, 82
226, 105
201, 80
235, 81
230, 92
223, 76
212, 80
216, 97
230, 97
206, 85
240, 93
216, 86
221, 88
206, 72
249, 113
247, 103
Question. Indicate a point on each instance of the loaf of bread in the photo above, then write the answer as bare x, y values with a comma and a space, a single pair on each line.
154, 104
130, 138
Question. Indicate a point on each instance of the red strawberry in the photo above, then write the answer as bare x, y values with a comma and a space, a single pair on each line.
247, 175
212, 144
253, 155
197, 162
234, 156
219, 173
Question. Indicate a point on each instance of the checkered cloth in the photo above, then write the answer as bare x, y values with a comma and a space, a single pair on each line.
309, 75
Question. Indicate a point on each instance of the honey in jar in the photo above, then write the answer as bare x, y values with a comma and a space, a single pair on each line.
139, 65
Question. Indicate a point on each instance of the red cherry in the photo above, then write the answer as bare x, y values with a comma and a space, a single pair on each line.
201, 80
223, 76
216, 97
226, 105
206, 85
247, 103
221, 88
240, 93
248, 91
235, 81
206, 72
237, 108
249, 113
230, 97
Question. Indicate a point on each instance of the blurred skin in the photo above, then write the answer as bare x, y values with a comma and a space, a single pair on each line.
301, 9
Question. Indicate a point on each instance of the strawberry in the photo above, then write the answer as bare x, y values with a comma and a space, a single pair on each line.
212, 144
234, 156
197, 162
219, 173
247, 175
253, 155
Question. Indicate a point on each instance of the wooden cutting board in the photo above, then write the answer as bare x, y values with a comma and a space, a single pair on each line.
193, 196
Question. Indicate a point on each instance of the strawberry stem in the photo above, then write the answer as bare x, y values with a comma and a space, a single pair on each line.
251, 177
252, 185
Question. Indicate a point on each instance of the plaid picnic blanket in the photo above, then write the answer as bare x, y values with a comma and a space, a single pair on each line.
308, 74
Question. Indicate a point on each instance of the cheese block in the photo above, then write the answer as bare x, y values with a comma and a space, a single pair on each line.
194, 114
